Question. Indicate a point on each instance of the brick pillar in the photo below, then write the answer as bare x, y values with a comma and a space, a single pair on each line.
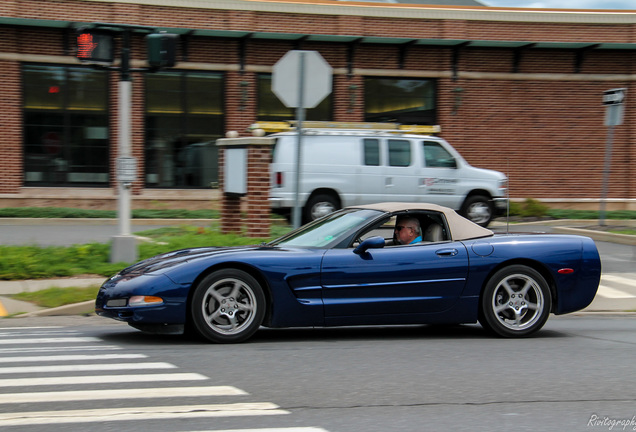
258, 182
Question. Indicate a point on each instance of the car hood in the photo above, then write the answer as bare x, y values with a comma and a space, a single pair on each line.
167, 260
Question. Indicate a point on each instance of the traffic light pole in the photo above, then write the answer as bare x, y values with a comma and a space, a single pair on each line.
161, 53
124, 245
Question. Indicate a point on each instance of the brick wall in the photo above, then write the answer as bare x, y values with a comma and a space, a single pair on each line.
543, 125
11, 173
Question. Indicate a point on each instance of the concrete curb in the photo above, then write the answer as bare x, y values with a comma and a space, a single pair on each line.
83, 308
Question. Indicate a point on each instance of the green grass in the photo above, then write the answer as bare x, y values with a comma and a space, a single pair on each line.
33, 262
55, 297
623, 231
65, 213
527, 208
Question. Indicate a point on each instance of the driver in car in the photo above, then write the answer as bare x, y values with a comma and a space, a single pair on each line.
408, 230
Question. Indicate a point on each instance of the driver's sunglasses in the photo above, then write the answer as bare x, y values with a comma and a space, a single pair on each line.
399, 228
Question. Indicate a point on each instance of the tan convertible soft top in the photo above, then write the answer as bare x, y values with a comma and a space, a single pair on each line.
460, 227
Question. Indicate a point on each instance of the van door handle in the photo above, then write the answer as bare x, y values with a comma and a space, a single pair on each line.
447, 252
389, 181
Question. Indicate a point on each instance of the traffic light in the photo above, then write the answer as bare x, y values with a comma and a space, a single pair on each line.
95, 46
162, 49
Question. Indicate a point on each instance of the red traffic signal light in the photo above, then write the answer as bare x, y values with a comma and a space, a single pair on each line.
95, 46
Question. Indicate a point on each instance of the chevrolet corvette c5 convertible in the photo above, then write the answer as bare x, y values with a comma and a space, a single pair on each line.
348, 268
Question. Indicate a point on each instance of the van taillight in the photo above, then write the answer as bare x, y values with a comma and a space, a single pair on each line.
279, 179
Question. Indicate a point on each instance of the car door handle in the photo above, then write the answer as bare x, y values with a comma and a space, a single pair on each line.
447, 252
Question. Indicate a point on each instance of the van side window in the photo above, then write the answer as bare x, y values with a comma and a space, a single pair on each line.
436, 156
399, 152
371, 152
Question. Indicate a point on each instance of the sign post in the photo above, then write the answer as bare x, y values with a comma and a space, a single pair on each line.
290, 77
613, 100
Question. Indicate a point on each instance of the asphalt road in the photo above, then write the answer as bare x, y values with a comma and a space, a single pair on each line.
64, 232
574, 375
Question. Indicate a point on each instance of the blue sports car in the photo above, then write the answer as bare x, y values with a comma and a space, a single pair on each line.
352, 267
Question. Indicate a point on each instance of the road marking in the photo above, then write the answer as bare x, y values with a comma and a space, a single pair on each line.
82, 357
60, 348
607, 292
48, 340
87, 367
100, 379
31, 328
619, 279
284, 429
142, 393
140, 413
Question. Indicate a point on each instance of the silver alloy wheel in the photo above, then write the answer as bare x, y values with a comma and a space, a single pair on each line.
518, 302
229, 306
321, 209
478, 212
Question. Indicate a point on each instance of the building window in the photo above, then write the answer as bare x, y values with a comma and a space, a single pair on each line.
184, 118
66, 137
270, 108
405, 101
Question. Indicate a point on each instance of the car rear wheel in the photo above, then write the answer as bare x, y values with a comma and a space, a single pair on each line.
516, 302
478, 209
320, 205
228, 306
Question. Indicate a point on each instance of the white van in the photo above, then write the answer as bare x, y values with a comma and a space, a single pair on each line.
341, 167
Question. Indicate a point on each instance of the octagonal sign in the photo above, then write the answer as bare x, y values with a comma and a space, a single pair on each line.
301, 68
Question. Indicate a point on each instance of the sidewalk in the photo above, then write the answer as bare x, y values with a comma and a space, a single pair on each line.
11, 307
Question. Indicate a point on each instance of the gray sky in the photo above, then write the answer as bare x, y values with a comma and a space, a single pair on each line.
565, 4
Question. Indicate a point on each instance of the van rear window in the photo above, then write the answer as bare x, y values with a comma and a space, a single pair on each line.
399, 152
371, 152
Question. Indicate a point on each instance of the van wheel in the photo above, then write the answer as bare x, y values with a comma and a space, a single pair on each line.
320, 205
477, 209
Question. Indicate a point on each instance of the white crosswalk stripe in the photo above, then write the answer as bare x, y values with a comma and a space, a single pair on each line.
139, 413
62, 359
617, 287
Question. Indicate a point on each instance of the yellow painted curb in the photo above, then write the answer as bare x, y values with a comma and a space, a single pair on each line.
3, 311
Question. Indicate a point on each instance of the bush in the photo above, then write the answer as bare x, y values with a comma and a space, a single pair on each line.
529, 208
534, 208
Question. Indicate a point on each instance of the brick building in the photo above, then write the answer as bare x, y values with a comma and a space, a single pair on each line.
514, 90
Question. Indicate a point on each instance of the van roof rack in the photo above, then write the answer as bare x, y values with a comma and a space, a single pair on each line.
286, 126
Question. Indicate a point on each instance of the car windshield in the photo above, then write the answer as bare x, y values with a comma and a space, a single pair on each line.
327, 230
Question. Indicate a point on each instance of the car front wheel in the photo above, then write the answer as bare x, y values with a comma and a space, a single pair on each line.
516, 302
228, 306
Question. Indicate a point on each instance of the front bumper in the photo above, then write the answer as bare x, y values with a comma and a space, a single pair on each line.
112, 300
500, 205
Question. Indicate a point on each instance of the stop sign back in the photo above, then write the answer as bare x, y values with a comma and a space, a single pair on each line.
297, 66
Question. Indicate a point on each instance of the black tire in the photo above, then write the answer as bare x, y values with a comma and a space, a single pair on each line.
228, 306
320, 205
516, 302
478, 209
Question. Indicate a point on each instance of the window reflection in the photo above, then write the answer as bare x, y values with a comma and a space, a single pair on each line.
405, 101
184, 117
270, 108
66, 135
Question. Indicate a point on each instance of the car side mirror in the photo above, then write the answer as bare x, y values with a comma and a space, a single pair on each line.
370, 243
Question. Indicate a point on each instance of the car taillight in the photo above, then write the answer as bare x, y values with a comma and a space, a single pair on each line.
279, 179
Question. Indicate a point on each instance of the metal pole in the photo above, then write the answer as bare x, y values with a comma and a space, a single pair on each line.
123, 207
300, 117
124, 245
606, 172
